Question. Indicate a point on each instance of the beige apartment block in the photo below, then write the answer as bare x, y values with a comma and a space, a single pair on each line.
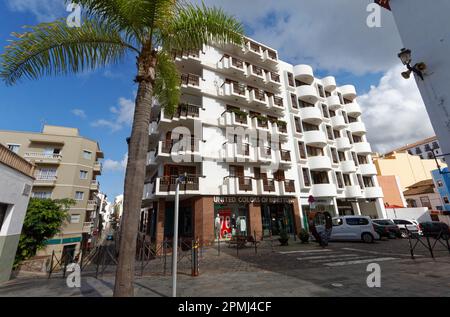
67, 166
410, 169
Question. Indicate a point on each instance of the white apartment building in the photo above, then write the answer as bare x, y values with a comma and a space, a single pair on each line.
258, 140
428, 148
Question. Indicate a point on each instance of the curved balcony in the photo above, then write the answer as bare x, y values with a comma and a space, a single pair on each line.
315, 138
343, 144
358, 128
333, 102
368, 169
304, 73
323, 190
329, 83
307, 93
353, 109
362, 148
373, 192
348, 166
319, 163
311, 115
353, 191
338, 122
348, 91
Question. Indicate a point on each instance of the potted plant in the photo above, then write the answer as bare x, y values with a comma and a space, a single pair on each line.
303, 236
284, 238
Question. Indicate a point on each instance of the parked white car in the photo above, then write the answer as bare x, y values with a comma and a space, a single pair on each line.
353, 228
411, 225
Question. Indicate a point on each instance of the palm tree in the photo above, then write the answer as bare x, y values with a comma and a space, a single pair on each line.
151, 30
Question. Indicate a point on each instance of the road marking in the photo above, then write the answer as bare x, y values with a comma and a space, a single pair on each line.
359, 261
375, 252
326, 257
305, 251
337, 260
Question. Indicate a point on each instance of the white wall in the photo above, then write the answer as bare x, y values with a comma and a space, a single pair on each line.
420, 214
424, 28
12, 185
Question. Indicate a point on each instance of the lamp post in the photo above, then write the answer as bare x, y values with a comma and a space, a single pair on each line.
180, 179
418, 69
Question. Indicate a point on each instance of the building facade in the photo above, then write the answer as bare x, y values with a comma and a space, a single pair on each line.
442, 183
410, 169
426, 149
16, 179
423, 29
423, 194
67, 166
393, 194
261, 144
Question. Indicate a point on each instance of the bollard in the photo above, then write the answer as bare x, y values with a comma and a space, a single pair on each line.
194, 264
256, 248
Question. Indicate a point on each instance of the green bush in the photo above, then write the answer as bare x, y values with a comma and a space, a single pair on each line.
303, 236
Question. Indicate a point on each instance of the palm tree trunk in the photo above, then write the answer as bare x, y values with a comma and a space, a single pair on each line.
135, 177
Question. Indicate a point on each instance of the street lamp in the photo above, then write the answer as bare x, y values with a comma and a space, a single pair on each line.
418, 69
180, 179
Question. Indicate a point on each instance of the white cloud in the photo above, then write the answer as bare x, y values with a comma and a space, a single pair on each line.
43, 10
122, 115
394, 112
112, 165
79, 113
330, 35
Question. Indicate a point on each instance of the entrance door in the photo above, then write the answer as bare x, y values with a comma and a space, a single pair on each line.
68, 253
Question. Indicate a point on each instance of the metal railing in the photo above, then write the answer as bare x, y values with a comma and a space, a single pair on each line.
278, 101
274, 77
40, 155
268, 184
285, 155
168, 183
289, 185
190, 79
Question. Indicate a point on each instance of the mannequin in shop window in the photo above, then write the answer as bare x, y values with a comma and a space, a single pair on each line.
217, 226
233, 224
242, 226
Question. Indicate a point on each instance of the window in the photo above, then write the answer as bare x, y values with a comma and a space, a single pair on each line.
357, 139
418, 150
439, 183
339, 180
350, 137
87, 155
46, 173
75, 218
14, 148
330, 134
314, 151
446, 201
320, 177
337, 134
294, 101
368, 181
334, 155
427, 147
344, 114
290, 77
435, 145
355, 159
360, 181
337, 222
357, 221
42, 195
342, 156
325, 112
347, 180
301, 149
332, 113
321, 91
304, 104
362, 159
306, 177
310, 127
79, 195
83, 174
352, 119
347, 101
3, 209
298, 124
299, 83
425, 201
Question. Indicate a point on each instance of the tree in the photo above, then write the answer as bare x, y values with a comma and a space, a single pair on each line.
149, 29
43, 220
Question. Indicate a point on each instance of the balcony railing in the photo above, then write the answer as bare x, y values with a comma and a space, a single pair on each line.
274, 77
239, 89
237, 63
48, 178
257, 70
254, 47
260, 94
40, 155
169, 183
289, 185
268, 184
190, 79
245, 183
180, 54
185, 110
272, 54
16, 162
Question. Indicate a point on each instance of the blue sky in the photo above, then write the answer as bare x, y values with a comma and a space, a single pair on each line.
98, 103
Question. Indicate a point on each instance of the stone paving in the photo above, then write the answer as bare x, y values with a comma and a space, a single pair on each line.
295, 270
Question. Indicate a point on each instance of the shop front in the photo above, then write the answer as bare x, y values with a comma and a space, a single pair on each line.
311, 207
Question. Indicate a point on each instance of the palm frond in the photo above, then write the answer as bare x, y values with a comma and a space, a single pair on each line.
194, 26
55, 48
167, 83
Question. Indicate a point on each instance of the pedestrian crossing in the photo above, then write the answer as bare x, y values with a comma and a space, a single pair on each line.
339, 257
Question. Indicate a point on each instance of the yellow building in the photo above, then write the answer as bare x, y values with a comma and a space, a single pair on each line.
410, 169
67, 166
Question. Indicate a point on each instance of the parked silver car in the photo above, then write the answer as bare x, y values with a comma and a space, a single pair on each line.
353, 228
